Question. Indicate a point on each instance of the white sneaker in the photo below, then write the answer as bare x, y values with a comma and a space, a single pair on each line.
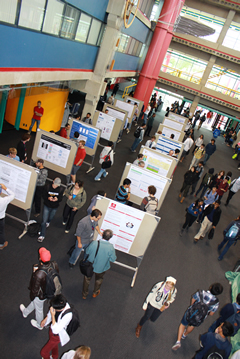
176, 346
106, 174
97, 179
35, 324
64, 223
22, 307
47, 224
67, 231
41, 239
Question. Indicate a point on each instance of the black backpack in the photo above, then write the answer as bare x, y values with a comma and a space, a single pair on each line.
74, 324
53, 282
197, 312
214, 353
137, 132
33, 229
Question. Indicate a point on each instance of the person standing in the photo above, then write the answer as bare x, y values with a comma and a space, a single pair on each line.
21, 147
87, 119
106, 152
205, 182
231, 236
12, 153
187, 145
83, 352
210, 149
93, 202
146, 113
209, 299
199, 169
37, 287
134, 119
63, 132
199, 153
151, 143
193, 211
222, 186
216, 343
123, 195
4, 201
211, 217
189, 178
41, 181
139, 158
201, 120
150, 203
158, 300
150, 125
138, 134
37, 116
196, 118
115, 89
233, 189
58, 318
198, 142
52, 196
100, 254
79, 158
84, 233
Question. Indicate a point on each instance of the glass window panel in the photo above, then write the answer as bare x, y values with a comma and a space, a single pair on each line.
128, 45
8, 10
135, 48
83, 28
124, 39
130, 49
31, 14
102, 32
53, 17
142, 50
139, 49
94, 32
70, 22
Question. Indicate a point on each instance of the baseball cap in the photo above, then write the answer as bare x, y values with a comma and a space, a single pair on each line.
45, 255
57, 181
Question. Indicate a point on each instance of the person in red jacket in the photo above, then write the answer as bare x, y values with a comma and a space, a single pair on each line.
222, 186
63, 132
37, 115
80, 155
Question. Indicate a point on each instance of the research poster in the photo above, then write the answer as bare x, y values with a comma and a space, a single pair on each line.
164, 145
177, 118
125, 106
54, 151
141, 179
133, 101
125, 222
115, 113
86, 132
105, 123
173, 124
15, 178
166, 131
156, 163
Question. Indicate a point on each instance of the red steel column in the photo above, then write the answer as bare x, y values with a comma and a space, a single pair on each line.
157, 50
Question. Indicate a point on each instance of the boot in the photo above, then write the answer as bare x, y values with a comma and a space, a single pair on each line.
138, 330
182, 200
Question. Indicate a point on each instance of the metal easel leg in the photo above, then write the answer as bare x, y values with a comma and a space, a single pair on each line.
139, 260
28, 213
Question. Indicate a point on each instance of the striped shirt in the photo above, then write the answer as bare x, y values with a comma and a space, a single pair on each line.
122, 195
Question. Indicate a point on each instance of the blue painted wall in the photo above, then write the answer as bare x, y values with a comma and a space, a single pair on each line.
96, 8
137, 30
24, 48
127, 62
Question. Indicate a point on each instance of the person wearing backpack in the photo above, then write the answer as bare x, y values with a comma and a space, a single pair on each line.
231, 236
150, 203
216, 345
138, 134
105, 156
199, 154
38, 288
203, 303
233, 189
58, 329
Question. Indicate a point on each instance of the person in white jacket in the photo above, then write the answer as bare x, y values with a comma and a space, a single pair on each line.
58, 328
4, 201
187, 145
82, 352
158, 300
107, 151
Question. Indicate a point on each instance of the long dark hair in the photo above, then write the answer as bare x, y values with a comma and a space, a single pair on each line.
196, 203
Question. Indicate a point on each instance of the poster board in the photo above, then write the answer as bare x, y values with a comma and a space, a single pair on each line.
57, 152
157, 162
88, 133
21, 179
133, 100
178, 118
165, 144
127, 107
167, 131
109, 125
116, 112
141, 179
173, 124
120, 217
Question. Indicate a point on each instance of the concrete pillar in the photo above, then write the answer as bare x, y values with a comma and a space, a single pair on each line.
226, 26
194, 105
208, 70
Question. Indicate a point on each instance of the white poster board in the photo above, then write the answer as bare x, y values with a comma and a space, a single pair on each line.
127, 107
178, 118
157, 162
168, 131
116, 113
133, 100
165, 144
106, 124
141, 179
173, 124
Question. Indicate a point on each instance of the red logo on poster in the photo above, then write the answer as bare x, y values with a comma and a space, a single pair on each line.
113, 205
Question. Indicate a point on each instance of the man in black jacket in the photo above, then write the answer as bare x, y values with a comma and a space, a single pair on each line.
211, 217
37, 287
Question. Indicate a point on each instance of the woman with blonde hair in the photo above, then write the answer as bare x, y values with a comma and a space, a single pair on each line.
83, 352
157, 301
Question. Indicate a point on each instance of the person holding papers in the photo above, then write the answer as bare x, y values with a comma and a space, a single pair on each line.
3, 206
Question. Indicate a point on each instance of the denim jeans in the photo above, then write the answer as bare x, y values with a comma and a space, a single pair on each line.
48, 214
100, 173
207, 156
32, 124
145, 118
76, 253
229, 242
135, 144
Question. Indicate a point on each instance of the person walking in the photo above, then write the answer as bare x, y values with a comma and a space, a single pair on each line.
100, 254
211, 217
84, 233
189, 178
198, 142
157, 301
205, 182
138, 134
186, 149
37, 287
233, 189
146, 113
199, 169
106, 159
4, 201
21, 147
199, 153
193, 211
79, 158
210, 149
37, 116
41, 181
201, 120
222, 186
231, 236
76, 198
150, 125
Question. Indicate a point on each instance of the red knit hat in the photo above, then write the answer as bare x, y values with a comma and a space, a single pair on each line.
45, 255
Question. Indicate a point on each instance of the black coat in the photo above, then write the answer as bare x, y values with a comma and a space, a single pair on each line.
216, 215
190, 177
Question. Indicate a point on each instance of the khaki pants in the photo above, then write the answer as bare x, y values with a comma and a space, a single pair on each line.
205, 227
97, 285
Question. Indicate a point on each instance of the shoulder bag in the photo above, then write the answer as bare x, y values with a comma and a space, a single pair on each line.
86, 267
107, 163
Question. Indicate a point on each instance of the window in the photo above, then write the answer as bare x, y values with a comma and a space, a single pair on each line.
94, 32
70, 22
123, 42
142, 50
83, 28
132, 44
100, 37
53, 17
232, 38
31, 14
8, 10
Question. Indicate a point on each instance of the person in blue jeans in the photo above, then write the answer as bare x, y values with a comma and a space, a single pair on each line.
138, 139
84, 233
107, 151
231, 235
52, 196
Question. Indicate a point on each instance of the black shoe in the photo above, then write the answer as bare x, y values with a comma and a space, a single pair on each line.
71, 265
181, 232
226, 204
187, 229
